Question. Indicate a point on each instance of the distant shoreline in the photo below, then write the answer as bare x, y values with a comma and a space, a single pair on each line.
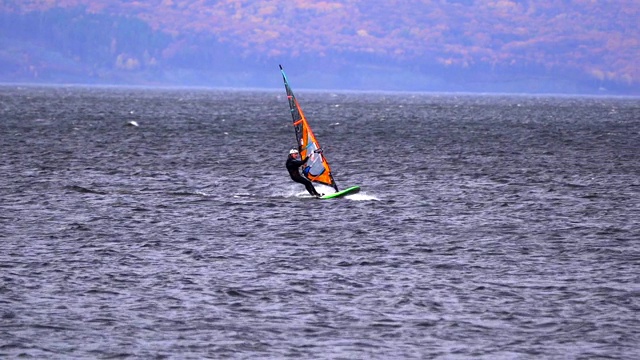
170, 87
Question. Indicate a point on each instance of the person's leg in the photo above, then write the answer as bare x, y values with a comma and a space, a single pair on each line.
310, 188
307, 184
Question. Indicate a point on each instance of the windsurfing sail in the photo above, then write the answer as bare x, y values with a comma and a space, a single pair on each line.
317, 169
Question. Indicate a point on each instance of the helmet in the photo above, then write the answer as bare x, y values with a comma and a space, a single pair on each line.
293, 151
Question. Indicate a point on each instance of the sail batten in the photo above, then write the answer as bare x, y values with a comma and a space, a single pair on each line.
317, 169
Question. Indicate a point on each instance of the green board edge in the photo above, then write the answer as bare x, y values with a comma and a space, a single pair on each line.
347, 191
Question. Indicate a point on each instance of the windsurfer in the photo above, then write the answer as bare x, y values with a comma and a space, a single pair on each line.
293, 166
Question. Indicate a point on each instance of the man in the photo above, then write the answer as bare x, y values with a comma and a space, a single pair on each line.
293, 166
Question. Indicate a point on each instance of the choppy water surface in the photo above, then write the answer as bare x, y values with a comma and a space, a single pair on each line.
487, 227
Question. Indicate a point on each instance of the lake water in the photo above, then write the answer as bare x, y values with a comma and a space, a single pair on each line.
487, 226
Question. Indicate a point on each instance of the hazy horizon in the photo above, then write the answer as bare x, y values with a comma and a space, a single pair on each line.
455, 46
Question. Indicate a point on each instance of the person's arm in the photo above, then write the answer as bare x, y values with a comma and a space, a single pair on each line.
298, 163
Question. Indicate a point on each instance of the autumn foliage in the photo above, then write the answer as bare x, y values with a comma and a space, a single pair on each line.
598, 39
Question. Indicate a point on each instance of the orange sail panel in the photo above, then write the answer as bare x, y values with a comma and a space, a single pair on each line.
317, 168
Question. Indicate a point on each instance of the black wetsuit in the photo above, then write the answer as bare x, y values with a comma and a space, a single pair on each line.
293, 166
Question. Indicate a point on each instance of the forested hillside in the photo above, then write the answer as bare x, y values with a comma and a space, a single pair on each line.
461, 45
